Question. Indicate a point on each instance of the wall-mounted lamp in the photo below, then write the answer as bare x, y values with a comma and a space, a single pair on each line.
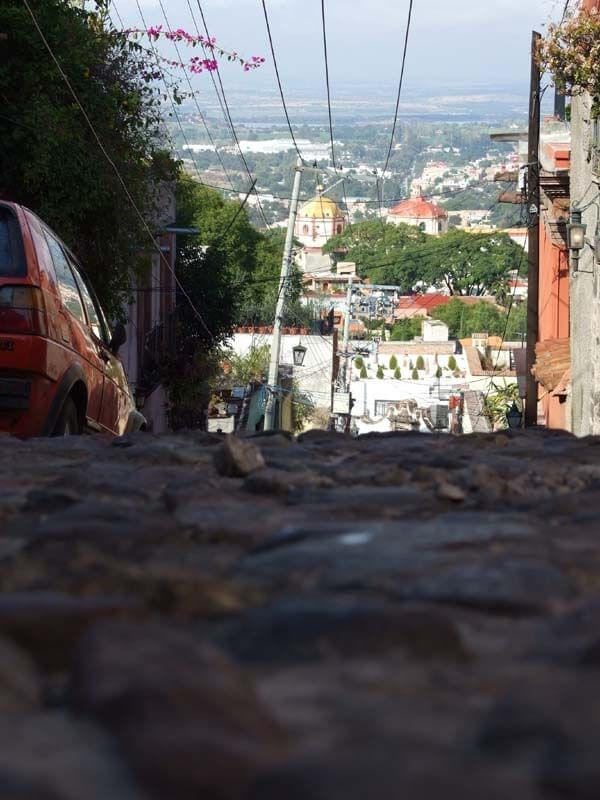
576, 237
299, 352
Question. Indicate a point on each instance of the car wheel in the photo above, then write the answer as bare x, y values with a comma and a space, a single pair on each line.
67, 423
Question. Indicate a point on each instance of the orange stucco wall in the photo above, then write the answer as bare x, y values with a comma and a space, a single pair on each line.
553, 313
554, 289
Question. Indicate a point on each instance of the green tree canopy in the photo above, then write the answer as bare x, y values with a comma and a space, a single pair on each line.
49, 157
466, 263
375, 244
463, 320
405, 330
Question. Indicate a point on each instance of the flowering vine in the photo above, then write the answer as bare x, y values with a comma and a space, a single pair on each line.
196, 64
571, 51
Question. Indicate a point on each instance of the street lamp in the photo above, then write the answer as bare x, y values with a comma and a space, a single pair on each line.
299, 352
514, 417
576, 236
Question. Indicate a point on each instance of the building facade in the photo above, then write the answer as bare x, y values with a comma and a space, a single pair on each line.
419, 212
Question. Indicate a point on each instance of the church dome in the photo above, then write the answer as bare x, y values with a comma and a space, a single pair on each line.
320, 207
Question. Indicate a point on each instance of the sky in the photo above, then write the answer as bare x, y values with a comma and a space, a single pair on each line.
455, 45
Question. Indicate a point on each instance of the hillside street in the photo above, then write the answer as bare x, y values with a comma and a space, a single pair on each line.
399, 616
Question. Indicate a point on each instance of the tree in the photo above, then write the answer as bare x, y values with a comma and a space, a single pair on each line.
393, 362
420, 362
248, 368
466, 263
415, 375
381, 250
358, 362
49, 157
452, 363
380, 372
363, 372
405, 330
438, 372
397, 374
463, 320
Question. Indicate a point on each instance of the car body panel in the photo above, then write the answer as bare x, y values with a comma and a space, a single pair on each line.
39, 370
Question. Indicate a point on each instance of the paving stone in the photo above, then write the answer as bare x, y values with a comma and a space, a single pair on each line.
20, 682
397, 616
56, 756
48, 624
301, 629
187, 718
237, 458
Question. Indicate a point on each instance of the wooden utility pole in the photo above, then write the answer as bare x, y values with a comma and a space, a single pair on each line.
533, 217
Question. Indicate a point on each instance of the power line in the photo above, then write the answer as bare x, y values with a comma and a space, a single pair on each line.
401, 81
327, 83
115, 168
233, 131
212, 77
285, 110
194, 98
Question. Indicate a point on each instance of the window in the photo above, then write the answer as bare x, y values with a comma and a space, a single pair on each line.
92, 311
305, 229
421, 226
66, 280
12, 258
383, 406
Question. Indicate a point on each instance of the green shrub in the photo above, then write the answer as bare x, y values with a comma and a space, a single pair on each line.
397, 374
415, 375
358, 362
438, 372
452, 363
393, 362
420, 363
363, 372
380, 372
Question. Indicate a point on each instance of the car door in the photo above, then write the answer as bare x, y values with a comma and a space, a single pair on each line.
116, 400
83, 344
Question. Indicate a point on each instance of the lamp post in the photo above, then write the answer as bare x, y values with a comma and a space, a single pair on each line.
514, 417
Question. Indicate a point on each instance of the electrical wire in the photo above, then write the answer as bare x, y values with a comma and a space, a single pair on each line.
324, 27
115, 168
283, 103
229, 117
400, 83
195, 99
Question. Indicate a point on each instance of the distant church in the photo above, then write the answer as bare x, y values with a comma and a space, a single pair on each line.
317, 222
421, 213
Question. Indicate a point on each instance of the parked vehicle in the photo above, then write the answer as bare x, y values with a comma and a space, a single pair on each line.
59, 367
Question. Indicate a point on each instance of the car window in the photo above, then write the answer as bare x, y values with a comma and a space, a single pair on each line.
12, 259
66, 280
90, 306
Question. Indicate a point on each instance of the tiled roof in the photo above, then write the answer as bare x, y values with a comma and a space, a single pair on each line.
418, 208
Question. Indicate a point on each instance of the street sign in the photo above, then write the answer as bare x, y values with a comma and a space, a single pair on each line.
341, 402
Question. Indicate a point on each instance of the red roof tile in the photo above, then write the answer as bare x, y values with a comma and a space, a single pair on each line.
418, 208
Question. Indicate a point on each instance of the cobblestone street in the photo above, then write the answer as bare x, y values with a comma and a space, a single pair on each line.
399, 616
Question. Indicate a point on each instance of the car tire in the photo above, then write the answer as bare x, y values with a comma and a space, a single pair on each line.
68, 423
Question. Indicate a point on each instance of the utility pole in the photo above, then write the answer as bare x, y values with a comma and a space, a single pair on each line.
273, 379
346, 338
533, 216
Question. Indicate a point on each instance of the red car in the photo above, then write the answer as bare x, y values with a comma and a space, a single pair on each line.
59, 369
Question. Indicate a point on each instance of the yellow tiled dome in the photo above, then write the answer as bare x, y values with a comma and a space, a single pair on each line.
320, 207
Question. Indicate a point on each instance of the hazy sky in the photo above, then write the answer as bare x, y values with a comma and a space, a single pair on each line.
461, 43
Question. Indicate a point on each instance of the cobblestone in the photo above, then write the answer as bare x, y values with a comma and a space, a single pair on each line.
318, 618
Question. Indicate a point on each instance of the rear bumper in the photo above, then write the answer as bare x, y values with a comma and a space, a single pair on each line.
15, 394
